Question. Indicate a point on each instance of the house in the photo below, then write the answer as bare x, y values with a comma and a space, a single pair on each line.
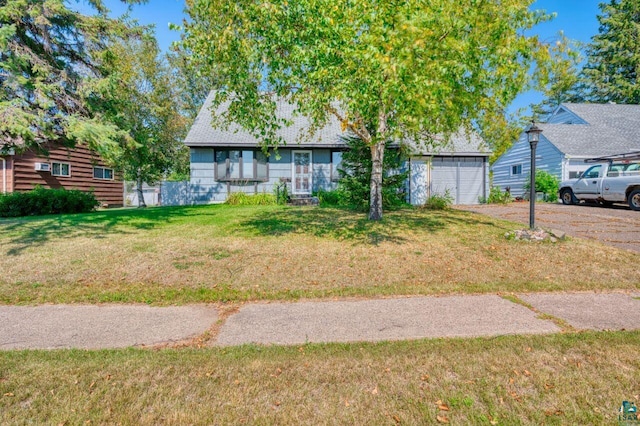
572, 134
231, 160
60, 167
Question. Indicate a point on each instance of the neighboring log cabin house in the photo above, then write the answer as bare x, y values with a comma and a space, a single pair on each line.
68, 168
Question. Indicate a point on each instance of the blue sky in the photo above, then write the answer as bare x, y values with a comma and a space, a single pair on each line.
576, 18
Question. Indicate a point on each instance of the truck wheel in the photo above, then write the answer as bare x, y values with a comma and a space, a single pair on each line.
567, 197
634, 200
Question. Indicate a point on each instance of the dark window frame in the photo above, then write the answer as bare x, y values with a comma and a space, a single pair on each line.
103, 170
241, 165
516, 169
60, 164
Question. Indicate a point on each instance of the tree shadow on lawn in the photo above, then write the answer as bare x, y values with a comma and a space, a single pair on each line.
30, 231
347, 225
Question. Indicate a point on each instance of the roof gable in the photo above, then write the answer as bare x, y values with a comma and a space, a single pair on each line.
562, 115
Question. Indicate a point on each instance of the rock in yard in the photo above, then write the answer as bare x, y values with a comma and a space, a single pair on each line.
534, 235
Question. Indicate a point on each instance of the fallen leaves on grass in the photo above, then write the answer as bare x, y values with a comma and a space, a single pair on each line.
442, 418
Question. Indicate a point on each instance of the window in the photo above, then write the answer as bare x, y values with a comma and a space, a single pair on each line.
60, 169
574, 175
625, 169
241, 165
516, 169
336, 159
592, 172
102, 173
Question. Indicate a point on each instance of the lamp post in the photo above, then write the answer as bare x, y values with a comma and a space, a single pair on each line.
533, 134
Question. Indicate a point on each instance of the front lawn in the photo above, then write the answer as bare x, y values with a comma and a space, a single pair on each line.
225, 253
558, 379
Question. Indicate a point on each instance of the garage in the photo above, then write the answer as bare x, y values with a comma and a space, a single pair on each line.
464, 178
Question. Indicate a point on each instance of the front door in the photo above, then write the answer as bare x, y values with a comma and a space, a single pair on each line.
302, 173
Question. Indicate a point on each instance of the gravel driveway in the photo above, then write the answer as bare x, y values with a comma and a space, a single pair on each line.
617, 226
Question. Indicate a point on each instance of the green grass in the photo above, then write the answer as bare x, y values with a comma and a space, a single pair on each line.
556, 379
235, 253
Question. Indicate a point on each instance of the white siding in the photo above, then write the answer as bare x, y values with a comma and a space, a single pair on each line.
574, 165
548, 158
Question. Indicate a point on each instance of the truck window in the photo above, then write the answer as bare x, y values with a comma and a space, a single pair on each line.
615, 170
633, 169
592, 172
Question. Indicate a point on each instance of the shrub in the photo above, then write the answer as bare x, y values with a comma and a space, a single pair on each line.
242, 199
281, 193
545, 183
41, 201
355, 176
497, 196
439, 201
333, 198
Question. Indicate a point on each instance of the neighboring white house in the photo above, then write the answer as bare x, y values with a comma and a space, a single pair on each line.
231, 160
572, 134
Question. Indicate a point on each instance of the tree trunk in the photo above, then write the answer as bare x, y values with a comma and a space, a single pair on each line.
375, 197
141, 203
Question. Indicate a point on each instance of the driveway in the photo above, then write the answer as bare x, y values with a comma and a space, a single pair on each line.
617, 225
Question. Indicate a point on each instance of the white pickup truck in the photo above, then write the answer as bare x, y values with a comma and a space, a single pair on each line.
606, 183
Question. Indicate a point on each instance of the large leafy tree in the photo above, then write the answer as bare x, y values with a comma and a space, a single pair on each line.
50, 66
613, 56
386, 69
141, 99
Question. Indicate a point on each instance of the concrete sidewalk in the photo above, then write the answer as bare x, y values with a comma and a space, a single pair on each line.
100, 326
113, 326
426, 317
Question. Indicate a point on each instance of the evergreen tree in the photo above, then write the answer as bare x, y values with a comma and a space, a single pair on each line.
613, 56
50, 67
355, 175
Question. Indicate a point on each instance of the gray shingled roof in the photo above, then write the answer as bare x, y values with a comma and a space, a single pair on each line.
611, 129
202, 134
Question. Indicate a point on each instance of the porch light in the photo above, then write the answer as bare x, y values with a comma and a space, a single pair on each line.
533, 135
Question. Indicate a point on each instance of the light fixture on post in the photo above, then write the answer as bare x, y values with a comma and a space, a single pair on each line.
533, 135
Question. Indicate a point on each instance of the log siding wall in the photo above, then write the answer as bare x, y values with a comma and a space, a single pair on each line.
81, 161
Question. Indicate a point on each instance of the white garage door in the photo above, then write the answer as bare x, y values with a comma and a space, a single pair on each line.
463, 178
